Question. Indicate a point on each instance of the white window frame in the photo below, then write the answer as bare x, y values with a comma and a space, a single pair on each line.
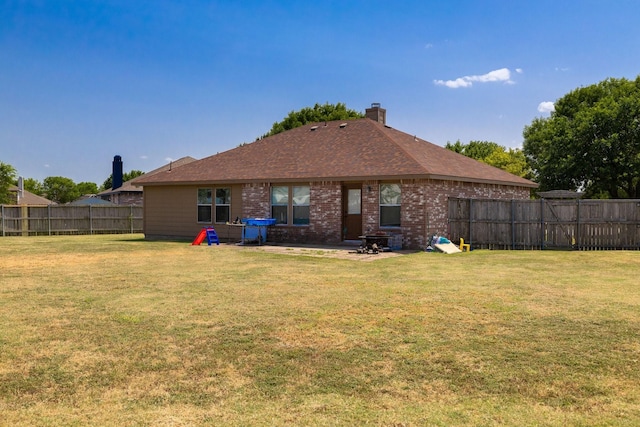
301, 201
227, 205
395, 204
279, 203
203, 201
295, 201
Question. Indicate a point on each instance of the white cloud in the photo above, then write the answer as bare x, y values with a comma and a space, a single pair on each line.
501, 75
546, 107
144, 157
428, 46
168, 159
459, 82
519, 70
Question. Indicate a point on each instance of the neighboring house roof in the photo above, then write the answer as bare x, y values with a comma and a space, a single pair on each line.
560, 194
337, 150
130, 187
92, 200
126, 187
30, 198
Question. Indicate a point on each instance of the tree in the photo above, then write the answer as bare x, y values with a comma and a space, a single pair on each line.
319, 113
7, 178
511, 160
33, 186
127, 176
475, 149
86, 188
60, 189
591, 142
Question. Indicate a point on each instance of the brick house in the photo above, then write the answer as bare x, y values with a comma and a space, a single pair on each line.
324, 183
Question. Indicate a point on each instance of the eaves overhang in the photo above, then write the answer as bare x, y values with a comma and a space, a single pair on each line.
529, 184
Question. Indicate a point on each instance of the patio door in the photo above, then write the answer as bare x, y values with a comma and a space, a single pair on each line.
352, 211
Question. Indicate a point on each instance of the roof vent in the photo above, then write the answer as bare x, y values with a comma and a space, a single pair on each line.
343, 125
314, 127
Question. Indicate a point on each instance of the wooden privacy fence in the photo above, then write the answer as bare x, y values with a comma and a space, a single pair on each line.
53, 220
546, 224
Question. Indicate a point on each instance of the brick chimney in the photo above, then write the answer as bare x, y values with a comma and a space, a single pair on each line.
376, 113
116, 177
20, 190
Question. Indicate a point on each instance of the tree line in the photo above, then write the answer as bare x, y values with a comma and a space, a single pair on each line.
589, 143
58, 189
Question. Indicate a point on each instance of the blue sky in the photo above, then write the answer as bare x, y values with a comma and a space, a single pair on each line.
82, 81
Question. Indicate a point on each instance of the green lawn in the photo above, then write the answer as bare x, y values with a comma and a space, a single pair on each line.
113, 330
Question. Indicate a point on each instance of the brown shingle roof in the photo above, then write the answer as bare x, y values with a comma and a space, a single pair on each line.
337, 150
29, 198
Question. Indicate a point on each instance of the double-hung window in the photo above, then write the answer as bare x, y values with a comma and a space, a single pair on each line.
223, 205
390, 199
280, 204
207, 205
290, 205
204, 205
300, 202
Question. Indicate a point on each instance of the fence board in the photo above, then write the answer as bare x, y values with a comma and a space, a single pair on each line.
55, 220
546, 224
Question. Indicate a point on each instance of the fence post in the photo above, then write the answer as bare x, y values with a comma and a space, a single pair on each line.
578, 225
49, 219
131, 219
90, 219
470, 222
2, 213
541, 223
513, 225
24, 220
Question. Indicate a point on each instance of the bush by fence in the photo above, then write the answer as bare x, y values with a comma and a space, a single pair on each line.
55, 220
546, 224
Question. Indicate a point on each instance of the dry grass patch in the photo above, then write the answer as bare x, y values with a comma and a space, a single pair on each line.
114, 330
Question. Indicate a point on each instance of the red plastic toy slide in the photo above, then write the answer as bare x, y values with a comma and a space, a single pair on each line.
200, 237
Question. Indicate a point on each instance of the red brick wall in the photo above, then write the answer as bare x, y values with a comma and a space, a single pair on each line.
424, 209
255, 201
370, 207
425, 205
127, 198
325, 214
